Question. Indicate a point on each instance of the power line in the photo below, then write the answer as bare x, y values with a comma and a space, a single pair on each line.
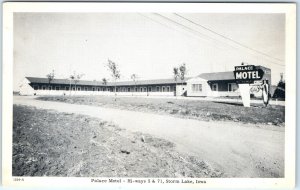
195, 32
232, 40
208, 36
190, 29
178, 30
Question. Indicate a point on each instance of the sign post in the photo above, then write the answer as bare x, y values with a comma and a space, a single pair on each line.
244, 76
245, 93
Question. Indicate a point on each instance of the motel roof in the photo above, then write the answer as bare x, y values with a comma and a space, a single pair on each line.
149, 82
100, 83
62, 81
217, 76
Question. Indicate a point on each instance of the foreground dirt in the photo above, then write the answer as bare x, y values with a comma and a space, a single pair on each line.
48, 143
193, 109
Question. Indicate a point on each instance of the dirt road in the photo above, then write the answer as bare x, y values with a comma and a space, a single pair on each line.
239, 150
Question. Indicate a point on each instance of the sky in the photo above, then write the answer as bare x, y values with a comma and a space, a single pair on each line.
146, 44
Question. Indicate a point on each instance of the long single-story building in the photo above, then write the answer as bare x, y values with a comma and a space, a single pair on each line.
42, 86
204, 85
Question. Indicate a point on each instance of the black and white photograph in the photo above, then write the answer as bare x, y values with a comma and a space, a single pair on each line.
178, 95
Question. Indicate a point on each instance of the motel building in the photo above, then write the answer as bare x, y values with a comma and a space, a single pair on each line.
217, 84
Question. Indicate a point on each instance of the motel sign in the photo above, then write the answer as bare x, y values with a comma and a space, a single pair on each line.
247, 74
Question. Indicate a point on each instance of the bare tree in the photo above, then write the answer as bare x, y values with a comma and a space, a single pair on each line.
182, 70
134, 78
50, 76
115, 73
176, 76
104, 82
75, 77
72, 77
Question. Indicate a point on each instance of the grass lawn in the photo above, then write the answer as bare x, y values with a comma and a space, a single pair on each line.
193, 109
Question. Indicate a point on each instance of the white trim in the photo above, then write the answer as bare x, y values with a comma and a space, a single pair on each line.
217, 87
168, 89
157, 87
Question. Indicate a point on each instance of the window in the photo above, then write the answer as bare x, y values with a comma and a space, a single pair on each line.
149, 88
44, 87
197, 87
163, 89
79, 88
57, 88
67, 88
49, 88
214, 87
85, 88
141, 89
35, 87
157, 89
232, 87
98, 89
93, 88
168, 89
135, 89
73, 88
145, 89
128, 89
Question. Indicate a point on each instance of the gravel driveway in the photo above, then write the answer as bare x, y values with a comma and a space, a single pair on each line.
237, 149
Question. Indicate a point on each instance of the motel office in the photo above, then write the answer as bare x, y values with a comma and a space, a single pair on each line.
205, 85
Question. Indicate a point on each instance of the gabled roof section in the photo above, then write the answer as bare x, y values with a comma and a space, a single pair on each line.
217, 76
100, 83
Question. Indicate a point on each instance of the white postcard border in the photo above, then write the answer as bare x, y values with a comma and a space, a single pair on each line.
290, 120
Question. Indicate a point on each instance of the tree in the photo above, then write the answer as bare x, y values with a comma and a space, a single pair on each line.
176, 76
104, 82
280, 89
76, 78
72, 77
50, 76
134, 78
182, 70
115, 73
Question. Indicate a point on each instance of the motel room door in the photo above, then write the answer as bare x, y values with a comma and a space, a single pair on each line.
214, 88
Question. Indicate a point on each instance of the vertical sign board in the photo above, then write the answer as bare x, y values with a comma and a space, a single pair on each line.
244, 76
